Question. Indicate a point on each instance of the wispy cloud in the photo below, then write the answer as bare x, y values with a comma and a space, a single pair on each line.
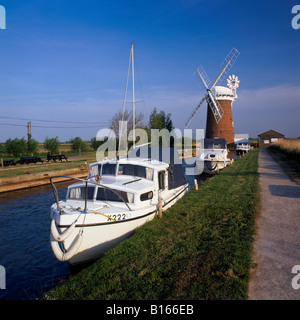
282, 97
278, 108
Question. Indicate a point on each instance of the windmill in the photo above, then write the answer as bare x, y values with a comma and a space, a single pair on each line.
219, 122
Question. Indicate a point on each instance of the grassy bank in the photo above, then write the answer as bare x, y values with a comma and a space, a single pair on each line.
200, 249
73, 162
287, 154
37, 168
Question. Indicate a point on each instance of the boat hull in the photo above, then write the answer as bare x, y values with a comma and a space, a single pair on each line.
212, 167
98, 238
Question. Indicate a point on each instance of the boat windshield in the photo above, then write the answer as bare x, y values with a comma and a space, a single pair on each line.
108, 168
79, 193
108, 195
136, 171
104, 194
214, 144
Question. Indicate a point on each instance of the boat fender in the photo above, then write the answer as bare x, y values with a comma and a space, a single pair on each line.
64, 235
210, 168
65, 256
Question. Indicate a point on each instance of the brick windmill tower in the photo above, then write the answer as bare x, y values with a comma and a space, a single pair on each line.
219, 121
224, 128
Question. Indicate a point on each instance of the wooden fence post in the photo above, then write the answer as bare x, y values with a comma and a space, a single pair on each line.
196, 184
159, 206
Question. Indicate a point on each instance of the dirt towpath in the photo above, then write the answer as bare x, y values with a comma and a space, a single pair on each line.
277, 244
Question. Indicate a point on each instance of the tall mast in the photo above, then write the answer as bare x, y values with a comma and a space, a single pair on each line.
133, 99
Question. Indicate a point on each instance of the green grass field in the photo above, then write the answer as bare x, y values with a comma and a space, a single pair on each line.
200, 249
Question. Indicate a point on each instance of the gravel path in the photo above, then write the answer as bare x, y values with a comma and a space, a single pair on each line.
277, 244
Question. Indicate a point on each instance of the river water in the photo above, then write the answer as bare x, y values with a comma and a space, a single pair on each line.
25, 252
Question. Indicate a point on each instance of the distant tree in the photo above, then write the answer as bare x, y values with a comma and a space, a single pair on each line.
78, 145
157, 120
160, 120
127, 116
95, 144
2, 149
16, 147
169, 122
8, 146
32, 146
52, 144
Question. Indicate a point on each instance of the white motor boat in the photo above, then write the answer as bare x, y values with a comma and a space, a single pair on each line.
118, 196
214, 156
242, 147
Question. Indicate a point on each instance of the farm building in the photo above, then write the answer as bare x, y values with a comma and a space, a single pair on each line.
268, 137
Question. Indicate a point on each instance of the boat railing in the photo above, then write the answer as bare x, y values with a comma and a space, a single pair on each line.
86, 190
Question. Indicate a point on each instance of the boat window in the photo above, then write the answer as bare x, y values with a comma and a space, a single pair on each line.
214, 144
137, 171
94, 171
208, 145
161, 180
146, 196
108, 168
79, 193
108, 195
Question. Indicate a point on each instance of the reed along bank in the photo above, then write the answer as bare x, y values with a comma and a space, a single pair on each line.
200, 249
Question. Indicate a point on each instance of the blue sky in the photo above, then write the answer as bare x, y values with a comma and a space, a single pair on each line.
67, 61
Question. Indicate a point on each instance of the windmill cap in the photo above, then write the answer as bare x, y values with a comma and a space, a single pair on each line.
223, 93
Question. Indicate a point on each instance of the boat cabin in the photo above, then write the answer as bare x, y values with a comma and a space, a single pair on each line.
133, 180
123, 180
212, 144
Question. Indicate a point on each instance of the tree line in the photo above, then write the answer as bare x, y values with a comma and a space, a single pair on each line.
20, 147
157, 120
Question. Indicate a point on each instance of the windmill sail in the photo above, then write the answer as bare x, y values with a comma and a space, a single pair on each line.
195, 111
203, 76
215, 108
212, 102
227, 65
